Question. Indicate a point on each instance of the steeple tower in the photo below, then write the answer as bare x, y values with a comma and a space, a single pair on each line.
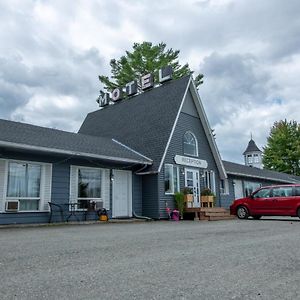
253, 155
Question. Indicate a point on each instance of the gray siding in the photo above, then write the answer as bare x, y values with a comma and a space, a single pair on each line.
187, 122
60, 187
137, 194
150, 196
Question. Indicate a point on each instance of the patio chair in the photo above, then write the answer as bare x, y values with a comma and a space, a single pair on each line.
56, 208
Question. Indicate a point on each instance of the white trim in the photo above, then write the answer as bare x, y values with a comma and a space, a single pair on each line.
43, 179
262, 177
74, 172
194, 136
68, 152
174, 125
207, 130
132, 150
174, 188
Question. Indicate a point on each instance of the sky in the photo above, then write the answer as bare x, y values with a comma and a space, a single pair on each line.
51, 53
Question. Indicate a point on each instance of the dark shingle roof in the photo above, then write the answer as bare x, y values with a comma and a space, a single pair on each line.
143, 122
242, 170
251, 147
23, 135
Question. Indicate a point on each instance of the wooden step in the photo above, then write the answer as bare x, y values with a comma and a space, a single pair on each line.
220, 218
213, 209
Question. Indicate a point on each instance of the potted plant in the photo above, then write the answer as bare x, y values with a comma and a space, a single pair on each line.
207, 198
179, 200
188, 194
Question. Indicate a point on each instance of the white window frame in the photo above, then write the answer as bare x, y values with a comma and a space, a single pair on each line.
210, 180
249, 158
42, 186
196, 141
255, 158
173, 190
92, 199
225, 189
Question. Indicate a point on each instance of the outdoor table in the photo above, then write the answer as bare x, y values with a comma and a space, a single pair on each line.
73, 210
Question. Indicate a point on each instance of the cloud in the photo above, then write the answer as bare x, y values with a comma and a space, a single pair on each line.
51, 53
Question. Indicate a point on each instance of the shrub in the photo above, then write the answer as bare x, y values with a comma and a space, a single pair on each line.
179, 200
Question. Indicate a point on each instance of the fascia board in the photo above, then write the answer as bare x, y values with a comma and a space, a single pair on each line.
207, 130
174, 126
73, 153
261, 177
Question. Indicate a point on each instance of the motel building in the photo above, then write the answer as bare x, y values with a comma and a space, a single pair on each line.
129, 156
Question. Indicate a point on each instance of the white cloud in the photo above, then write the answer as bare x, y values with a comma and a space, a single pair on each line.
51, 53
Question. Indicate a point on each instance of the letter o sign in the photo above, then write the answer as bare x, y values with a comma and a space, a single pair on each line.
116, 94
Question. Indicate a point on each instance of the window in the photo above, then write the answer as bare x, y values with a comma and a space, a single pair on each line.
210, 181
224, 186
171, 179
256, 160
283, 191
297, 190
263, 193
190, 145
89, 186
24, 185
249, 158
250, 187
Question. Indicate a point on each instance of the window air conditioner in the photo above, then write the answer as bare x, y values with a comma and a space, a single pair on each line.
12, 205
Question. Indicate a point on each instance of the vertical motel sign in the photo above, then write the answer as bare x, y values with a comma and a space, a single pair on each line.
131, 88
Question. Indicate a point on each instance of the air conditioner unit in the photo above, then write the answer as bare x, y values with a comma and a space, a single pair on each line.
12, 205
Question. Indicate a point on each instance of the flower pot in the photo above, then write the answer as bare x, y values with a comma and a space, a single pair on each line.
207, 201
188, 198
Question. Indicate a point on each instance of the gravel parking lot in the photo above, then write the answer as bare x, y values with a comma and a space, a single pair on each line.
154, 260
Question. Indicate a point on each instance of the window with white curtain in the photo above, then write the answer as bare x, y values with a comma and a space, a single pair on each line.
190, 144
24, 185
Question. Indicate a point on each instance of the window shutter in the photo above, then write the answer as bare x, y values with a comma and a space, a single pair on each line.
3, 177
46, 186
106, 188
73, 184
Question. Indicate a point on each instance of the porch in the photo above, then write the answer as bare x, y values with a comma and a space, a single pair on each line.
210, 213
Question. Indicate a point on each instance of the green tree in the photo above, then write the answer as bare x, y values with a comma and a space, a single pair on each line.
282, 152
145, 58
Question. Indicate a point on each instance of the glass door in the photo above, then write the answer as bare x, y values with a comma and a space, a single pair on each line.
192, 180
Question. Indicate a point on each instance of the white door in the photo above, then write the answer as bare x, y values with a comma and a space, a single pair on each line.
122, 194
238, 189
192, 180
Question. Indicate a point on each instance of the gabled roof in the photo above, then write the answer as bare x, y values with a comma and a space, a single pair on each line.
251, 147
143, 122
252, 172
147, 121
25, 136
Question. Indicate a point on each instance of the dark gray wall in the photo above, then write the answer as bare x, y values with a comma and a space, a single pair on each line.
150, 196
187, 122
137, 194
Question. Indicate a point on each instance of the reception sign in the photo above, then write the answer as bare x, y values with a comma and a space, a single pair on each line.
191, 162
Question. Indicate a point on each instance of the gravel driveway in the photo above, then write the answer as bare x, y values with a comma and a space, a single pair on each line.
155, 260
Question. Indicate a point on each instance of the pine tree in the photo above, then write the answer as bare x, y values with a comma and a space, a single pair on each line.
282, 152
145, 58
